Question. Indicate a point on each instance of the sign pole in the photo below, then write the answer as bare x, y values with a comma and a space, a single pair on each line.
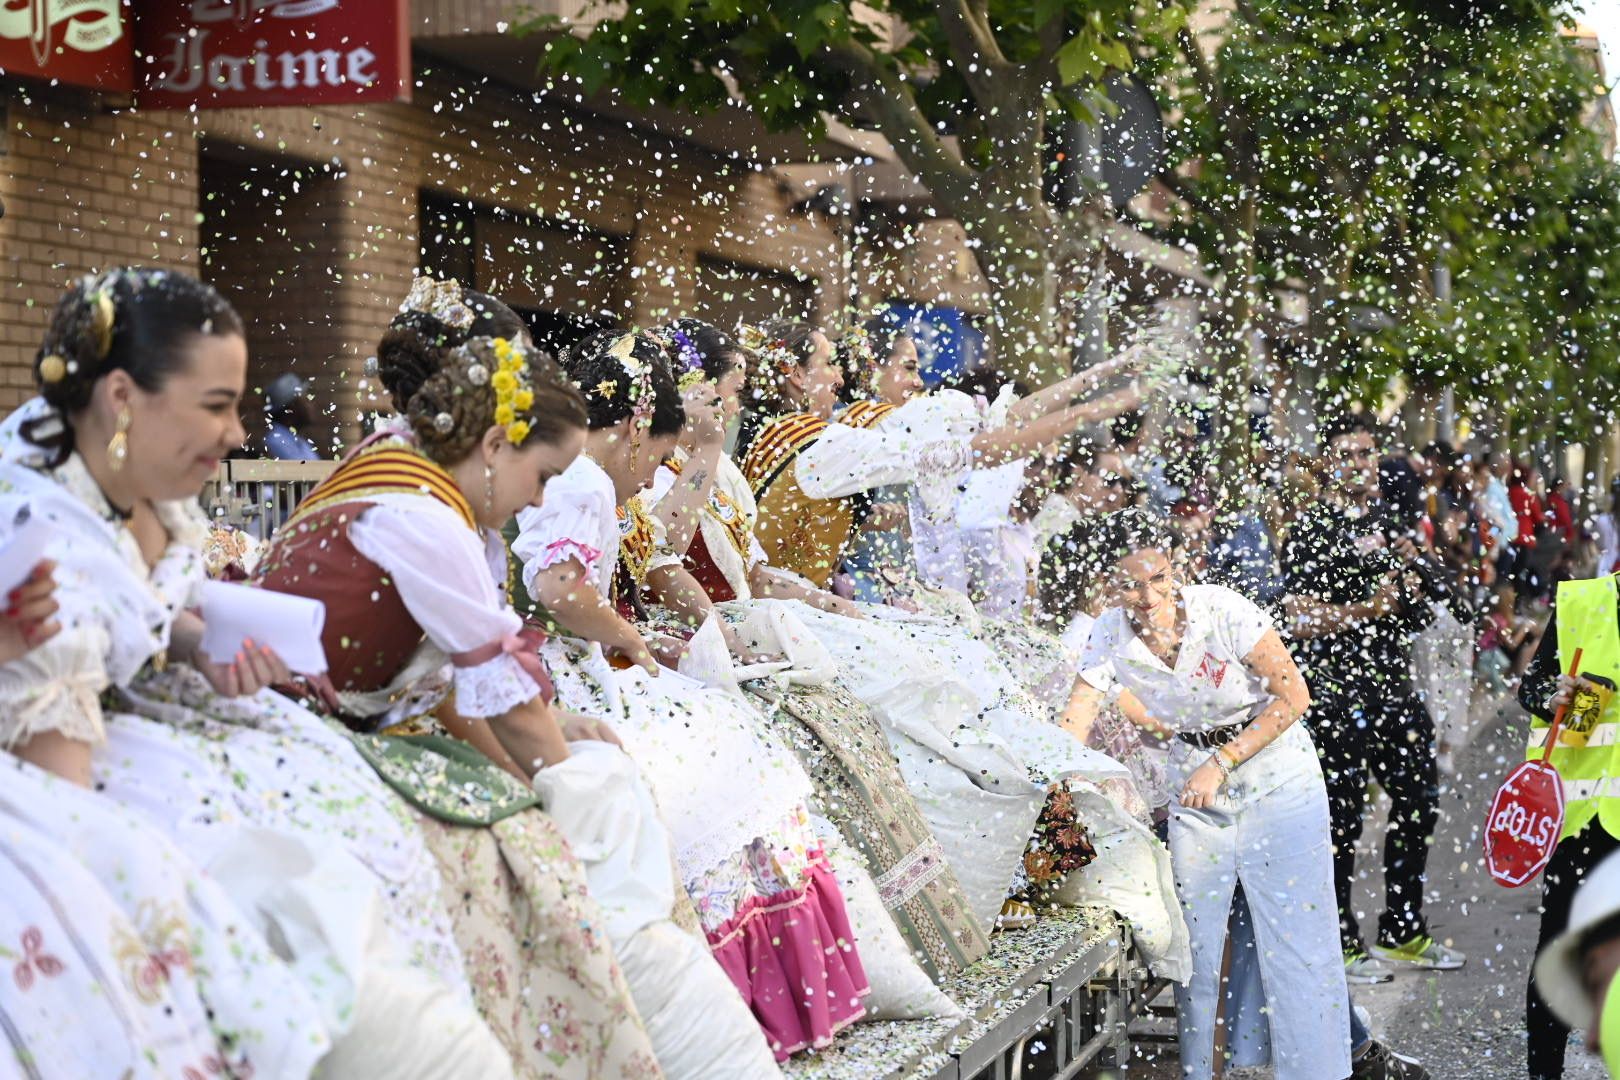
1558, 717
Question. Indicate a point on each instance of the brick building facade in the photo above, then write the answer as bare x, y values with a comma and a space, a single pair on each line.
312, 220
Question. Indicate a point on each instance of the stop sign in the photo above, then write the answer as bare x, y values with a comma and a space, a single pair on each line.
1525, 822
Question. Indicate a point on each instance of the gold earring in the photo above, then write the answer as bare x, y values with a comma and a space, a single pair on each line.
489, 490
118, 445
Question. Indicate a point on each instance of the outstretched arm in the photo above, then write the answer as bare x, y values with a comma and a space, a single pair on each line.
565, 591
1001, 445
1060, 395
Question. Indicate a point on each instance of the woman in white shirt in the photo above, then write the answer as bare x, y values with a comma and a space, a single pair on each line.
1205, 669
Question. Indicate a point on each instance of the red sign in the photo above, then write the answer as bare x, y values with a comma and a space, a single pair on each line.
1524, 824
82, 42
216, 54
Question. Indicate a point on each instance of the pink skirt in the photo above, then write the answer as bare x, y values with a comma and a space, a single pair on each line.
792, 957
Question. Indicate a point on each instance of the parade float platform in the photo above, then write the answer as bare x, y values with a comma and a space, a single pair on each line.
1046, 1001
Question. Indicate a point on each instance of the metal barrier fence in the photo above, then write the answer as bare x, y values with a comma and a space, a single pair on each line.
256, 496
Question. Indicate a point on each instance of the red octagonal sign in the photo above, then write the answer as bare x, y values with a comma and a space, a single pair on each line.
1526, 819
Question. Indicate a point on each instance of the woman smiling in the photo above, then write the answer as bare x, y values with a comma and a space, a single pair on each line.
1202, 667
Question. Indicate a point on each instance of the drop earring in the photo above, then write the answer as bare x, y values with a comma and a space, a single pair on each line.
118, 445
489, 490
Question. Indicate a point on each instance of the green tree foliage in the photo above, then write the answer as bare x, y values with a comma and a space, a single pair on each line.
1349, 150
962, 89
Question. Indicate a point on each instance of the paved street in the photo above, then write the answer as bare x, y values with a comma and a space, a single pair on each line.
1468, 1024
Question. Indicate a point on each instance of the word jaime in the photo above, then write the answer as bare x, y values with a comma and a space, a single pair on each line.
188, 67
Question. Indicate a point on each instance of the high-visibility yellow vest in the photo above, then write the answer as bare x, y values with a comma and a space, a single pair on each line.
1588, 760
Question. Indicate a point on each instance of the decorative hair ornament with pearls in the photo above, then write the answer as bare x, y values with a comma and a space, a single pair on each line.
775, 353
441, 299
640, 372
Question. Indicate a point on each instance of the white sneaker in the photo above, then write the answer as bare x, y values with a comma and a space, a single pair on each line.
1363, 970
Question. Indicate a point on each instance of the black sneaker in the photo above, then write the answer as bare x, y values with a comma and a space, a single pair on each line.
1382, 1063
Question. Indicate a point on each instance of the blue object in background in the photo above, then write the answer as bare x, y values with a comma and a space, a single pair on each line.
947, 343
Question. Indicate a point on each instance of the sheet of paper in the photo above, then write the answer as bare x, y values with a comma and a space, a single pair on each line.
291, 625
24, 550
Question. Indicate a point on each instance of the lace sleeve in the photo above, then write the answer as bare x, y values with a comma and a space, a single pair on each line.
56, 687
493, 688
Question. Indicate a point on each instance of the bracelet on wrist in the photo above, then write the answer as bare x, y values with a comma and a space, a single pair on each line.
1220, 763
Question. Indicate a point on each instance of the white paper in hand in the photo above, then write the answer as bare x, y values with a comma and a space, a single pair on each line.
24, 551
290, 625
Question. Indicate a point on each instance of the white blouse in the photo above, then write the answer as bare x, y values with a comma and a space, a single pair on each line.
945, 422
926, 442
1209, 686
579, 519
451, 580
115, 611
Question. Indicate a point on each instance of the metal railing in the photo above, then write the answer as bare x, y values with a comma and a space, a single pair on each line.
256, 496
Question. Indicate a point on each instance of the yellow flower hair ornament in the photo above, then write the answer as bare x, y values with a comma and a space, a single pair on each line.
514, 391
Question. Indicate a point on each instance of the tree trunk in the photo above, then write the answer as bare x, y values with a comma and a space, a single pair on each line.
1234, 357
1022, 272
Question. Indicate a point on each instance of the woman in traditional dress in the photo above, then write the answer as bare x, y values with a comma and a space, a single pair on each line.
978, 753
979, 798
858, 783
134, 928
141, 372
982, 543
733, 797
402, 545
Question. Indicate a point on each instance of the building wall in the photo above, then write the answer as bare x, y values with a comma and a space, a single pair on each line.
82, 190
320, 273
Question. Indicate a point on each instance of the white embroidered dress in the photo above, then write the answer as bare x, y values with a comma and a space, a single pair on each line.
274, 802
121, 959
976, 749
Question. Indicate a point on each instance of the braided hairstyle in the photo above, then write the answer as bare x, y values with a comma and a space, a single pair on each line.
136, 319
456, 405
612, 395
415, 345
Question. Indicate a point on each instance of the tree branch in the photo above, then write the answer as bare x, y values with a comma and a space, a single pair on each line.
1209, 86
894, 108
974, 50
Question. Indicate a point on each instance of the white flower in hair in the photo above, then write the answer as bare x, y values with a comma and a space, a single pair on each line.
440, 299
